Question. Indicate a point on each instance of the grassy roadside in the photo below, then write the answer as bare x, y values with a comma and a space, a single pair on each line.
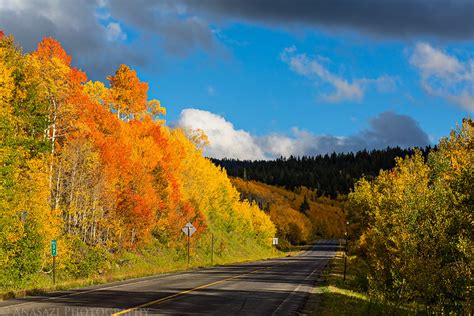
132, 265
334, 296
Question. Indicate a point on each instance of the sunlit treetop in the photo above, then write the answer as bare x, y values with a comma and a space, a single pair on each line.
49, 48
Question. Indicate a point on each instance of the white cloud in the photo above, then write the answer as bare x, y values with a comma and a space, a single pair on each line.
114, 32
431, 61
224, 139
343, 89
387, 129
444, 75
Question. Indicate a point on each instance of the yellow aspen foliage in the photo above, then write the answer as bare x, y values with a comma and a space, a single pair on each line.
417, 225
96, 91
6, 81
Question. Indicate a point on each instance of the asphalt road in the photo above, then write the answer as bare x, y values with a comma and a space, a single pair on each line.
270, 287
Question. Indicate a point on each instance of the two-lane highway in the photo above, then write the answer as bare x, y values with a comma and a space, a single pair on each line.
279, 286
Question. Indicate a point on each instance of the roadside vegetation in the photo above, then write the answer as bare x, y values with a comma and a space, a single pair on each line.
333, 296
411, 238
413, 226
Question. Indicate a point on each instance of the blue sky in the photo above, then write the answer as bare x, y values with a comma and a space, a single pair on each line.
276, 80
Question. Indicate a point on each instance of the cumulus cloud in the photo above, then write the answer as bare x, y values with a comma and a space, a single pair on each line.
445, 75
343, 89
387, 129
225, 140
388, 18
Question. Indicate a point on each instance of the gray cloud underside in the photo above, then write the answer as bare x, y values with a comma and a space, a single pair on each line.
181, 33
399, 18
79, 27
388, 129
183, 26
75, 25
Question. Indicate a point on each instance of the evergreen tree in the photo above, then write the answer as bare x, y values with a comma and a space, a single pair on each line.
304, 206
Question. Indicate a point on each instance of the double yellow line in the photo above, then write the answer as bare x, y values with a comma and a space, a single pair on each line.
171, 297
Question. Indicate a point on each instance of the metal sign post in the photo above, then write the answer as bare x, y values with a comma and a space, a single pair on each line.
54, 253
212, 249
189, 241
345, 253
189, 230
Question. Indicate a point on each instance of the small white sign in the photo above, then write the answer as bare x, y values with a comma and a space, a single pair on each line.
189, 229
275, 241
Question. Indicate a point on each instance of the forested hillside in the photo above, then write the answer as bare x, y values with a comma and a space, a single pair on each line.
330, 174
94, 166
299, 216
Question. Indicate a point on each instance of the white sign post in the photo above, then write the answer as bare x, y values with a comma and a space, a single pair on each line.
274, 244
189, 230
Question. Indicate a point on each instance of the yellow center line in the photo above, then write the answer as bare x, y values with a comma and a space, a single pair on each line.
170, 297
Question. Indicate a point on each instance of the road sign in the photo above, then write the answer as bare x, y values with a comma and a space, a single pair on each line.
189, 229
275, 241
54, 248
54, 253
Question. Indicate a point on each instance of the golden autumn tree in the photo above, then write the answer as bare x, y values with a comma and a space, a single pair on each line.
127, 95
26, 222
60, 84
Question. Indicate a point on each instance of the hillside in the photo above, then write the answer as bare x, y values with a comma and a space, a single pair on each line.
298, 215
329, 174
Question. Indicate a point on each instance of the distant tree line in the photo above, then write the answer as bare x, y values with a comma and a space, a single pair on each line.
329, 174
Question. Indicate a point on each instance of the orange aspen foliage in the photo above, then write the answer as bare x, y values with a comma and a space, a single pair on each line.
128, 96
49, 48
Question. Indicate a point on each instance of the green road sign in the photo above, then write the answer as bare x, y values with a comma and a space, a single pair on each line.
54, 248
